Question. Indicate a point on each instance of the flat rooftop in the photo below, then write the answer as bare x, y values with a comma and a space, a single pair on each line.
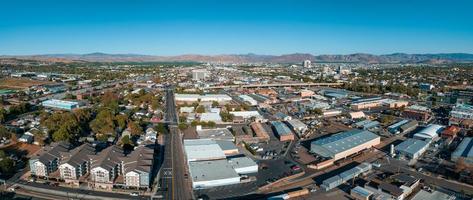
343, 141
211, 170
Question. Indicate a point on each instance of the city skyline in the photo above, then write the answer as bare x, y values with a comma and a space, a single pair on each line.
208, 28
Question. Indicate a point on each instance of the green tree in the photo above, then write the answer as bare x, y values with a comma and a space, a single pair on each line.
135, 128
226, 116
215, 104
4, 132
103, 123
3, 115
126, 140
61, 134
200, 109
182, 126
121, 121
161, 129
7, 165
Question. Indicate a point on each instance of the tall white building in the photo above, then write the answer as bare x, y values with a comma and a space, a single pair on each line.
199, 74
306, 63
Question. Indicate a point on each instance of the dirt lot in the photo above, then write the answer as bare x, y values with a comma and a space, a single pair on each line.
19, 83
26, 149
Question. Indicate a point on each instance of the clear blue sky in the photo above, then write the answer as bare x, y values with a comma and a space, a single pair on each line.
245, 26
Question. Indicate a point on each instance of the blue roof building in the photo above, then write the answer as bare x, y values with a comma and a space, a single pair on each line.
60, 104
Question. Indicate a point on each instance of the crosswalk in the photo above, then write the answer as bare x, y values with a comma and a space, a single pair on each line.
167, 172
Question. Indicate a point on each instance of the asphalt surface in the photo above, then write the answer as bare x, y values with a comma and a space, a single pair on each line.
172, 180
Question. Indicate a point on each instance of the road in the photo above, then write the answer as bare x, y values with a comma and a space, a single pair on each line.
173, 183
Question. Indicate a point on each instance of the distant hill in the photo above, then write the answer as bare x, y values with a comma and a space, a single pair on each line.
254, 58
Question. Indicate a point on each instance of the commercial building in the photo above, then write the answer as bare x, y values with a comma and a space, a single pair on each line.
464, 151
216, 134
260, 132
206, 174
411, 149
360, 193
391, 103
419, 113
243, 165
248, 99
396, 127
331, 113
433, 195
210, 117
306, 63
409, 126
430, 132
344, 144
203, 149
298, 126
396, 187
366, 103
60, 104
284, 133
307, 93
186, 109
199, 74
357, 115
462, 111
228, 147
345, 176
206, 97
246, 114
367, 124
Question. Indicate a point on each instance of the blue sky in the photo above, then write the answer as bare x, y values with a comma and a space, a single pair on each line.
246, 26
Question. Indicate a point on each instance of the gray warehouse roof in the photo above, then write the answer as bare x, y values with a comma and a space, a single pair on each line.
465, 149
217, 133
411, 146
202, 150
281, 128
211, 170
345, 140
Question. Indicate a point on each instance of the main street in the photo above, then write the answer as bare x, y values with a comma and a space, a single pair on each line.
172, 178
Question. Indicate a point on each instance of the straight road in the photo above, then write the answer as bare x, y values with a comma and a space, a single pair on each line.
173, 181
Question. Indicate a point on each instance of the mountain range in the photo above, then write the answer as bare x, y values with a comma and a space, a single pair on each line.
255, 58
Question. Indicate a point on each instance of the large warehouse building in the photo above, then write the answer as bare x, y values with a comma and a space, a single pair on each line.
344, 144
430, 132
214, 173
465, 151
411, 148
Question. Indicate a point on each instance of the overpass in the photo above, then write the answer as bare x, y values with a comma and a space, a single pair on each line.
275, 85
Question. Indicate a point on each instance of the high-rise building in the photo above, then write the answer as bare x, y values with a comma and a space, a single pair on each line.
306, 63
199, 74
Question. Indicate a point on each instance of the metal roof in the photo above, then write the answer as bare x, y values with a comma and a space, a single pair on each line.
429, 132
226, 145
241, 162
296, 123
362, 191
411, 146
281, 128
217, 133
343, 141
211, 170
206, 150
465, 149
